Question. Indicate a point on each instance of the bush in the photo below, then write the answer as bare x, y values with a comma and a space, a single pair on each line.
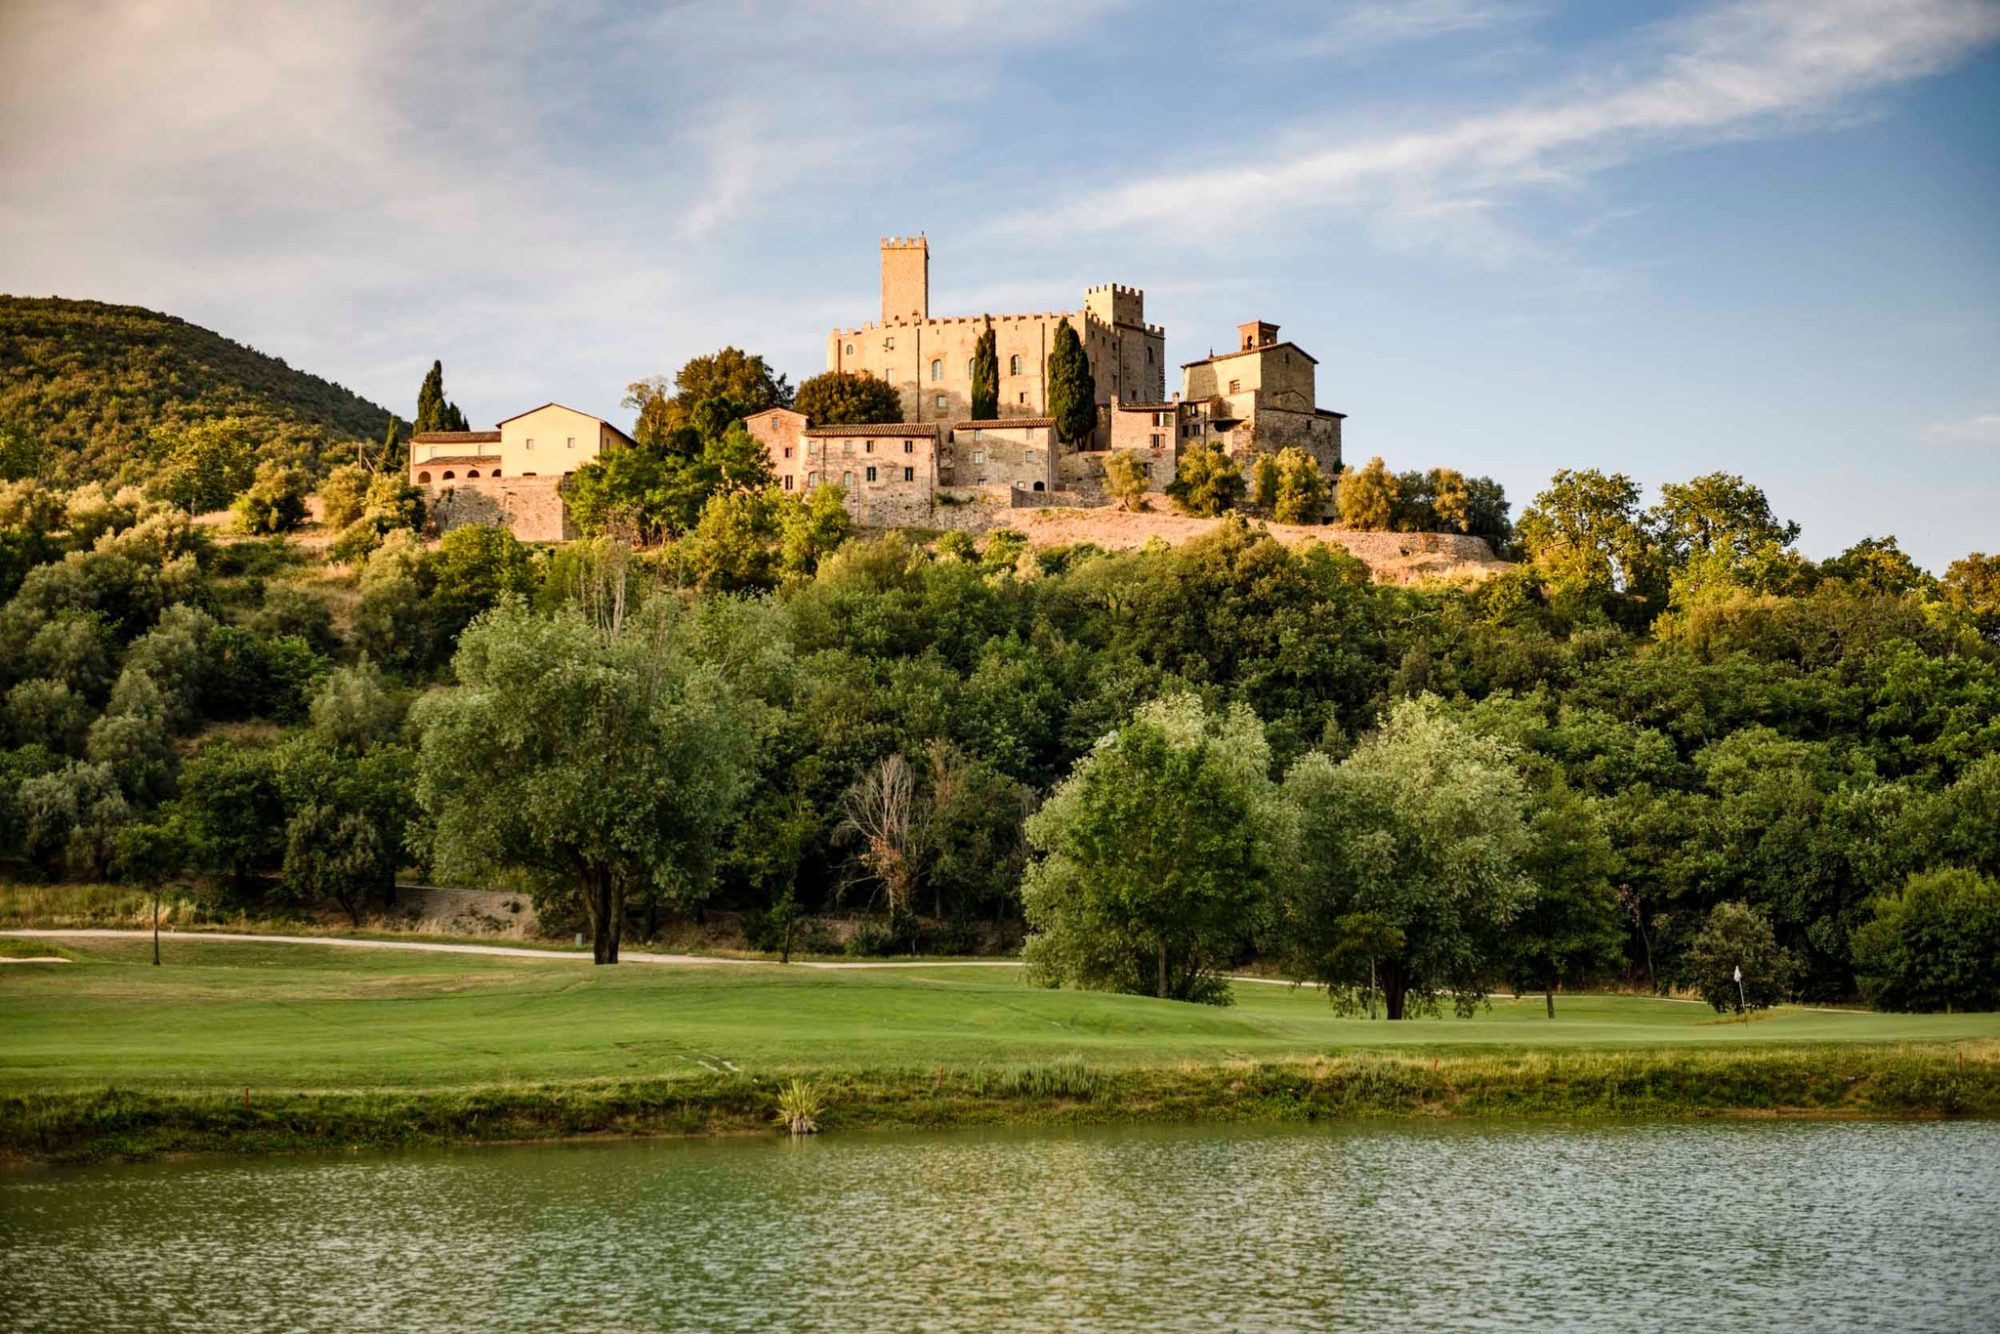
274, 502
1934, 944
1207, 482
1737, 936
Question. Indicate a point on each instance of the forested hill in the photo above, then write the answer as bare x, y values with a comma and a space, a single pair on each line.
86, 388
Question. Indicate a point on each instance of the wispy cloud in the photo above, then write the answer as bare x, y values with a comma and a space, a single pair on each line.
1369, 27
1980, 432
1729, 72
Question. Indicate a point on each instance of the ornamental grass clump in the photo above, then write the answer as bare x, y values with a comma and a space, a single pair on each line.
800, 1106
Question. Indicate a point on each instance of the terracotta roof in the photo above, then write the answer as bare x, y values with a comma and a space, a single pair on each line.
1246, 351
456, 458
1328, 412
1149, 407
879, 431
789, 412
455, 438
1004, 421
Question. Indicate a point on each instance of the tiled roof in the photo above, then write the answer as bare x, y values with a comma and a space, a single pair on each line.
455, 438
566, 408
879, 431
1003, 421
1246, 351
457, 458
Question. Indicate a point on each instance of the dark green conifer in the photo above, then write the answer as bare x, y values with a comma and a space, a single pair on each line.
1072, 389
986, 375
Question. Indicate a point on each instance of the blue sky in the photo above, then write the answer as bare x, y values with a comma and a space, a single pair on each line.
1519, 234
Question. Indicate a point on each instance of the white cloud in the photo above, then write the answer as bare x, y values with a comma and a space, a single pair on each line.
1371, 26
1980, 432
1728, 72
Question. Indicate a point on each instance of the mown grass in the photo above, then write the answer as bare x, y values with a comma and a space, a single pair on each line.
108, 1055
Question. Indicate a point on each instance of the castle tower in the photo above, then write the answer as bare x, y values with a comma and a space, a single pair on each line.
906, 278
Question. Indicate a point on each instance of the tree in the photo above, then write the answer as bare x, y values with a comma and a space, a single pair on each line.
434, 413
607, 761
343, 496
1971, 586
812, 528
202, 467
1157, 856
848, 398
1588, 541
275, 500
348, 810
150, 854
1127, 479
986, 375
472, 569
1072, 390
1879, 566
1717, 534
1206, 483
1411, 860
1570, 925
1302, 492
1451, 500
1934, 944
1368, 497
880, 811
1736, 937
1264, 482
709, 394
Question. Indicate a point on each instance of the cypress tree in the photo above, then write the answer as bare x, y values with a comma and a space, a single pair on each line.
986, 375
430, 401
1072, 390
394, 456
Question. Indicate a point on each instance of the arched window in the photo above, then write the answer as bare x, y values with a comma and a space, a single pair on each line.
494, 473
1014, 364
424, 478
968, 368
470, 475
1039, 486
850, 349
937, 369
447, 474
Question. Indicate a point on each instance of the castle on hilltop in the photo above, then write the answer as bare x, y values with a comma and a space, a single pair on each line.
938, 467
1259, 397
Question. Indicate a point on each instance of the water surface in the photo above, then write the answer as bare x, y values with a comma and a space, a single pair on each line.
1462, 1226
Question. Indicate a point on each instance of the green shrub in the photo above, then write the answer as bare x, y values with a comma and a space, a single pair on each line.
1934, 944
1737, 936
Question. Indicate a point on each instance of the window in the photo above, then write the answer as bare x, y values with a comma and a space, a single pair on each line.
1163, 419
1014, 364
1028, 456
447, 474
1146, 468
470, 475
494, 473
527, 474
424, 477
847, 446
888, 344
788, 481
1149, 354
978, 433
850, 349
847, 479
978, 456
528, 444
1040, 487
788, 451
909, 446
1021, 398
939, 401
1236, 386
871, 472
937, 369
571, 442
812, 479
909, 474
1154, 439
968, 368
868, 447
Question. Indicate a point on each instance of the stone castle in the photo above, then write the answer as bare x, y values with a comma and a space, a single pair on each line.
939, 468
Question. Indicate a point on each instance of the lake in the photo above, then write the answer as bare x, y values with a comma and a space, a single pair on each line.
1726, 1226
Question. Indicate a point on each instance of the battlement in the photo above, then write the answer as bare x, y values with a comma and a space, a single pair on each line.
916, 242
1118, 289
1115, 303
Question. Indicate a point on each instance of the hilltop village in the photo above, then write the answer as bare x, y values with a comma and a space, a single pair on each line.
940, 466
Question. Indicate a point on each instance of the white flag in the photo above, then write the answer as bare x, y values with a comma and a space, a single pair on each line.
1739, 972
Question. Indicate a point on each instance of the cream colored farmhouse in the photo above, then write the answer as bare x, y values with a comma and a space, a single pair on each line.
513, 476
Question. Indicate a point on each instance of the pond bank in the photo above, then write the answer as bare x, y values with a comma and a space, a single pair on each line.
1875, 1081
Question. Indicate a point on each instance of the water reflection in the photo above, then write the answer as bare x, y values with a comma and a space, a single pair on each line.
1853, 1226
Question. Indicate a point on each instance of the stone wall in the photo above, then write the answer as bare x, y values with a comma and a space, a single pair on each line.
530, 507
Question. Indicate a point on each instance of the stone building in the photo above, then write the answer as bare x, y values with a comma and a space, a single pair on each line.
510, 477
929, 358
1260, 398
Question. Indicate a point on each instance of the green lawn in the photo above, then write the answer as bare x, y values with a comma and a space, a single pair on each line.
224, 1015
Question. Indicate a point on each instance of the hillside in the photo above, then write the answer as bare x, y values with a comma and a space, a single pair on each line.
84, 386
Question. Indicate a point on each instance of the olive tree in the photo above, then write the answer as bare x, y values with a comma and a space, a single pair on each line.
1156, 856
606, 758
1410, 861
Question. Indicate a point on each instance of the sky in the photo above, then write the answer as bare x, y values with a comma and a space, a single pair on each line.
1519, 235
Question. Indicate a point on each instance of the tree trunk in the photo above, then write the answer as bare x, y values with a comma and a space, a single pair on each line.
1163, 970
156, 926
1549, 995
785, 954
1394, 991
617, 918
600, 917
